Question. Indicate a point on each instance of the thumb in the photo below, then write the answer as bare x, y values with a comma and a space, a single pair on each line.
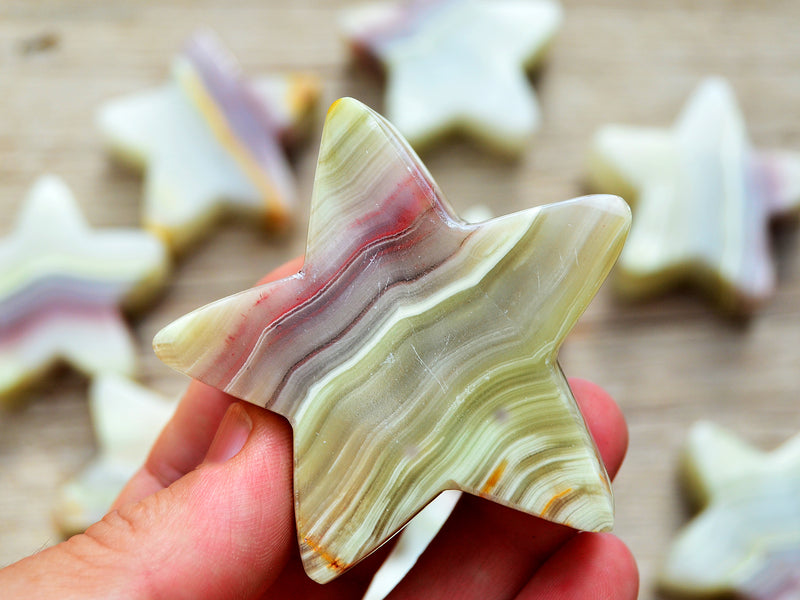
224, 530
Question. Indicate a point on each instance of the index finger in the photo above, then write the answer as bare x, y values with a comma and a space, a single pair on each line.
185, 439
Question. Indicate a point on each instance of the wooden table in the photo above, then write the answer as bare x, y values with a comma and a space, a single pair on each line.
668, 362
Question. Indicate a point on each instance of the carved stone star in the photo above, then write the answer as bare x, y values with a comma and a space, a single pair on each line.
703, 201
63, 285
746, 539
458, 65
414, 352
127, 419
210, 142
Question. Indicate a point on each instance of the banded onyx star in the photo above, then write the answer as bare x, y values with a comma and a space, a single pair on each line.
414, 352
746, 539
126, 418
458, 65
211, 142
62, 287
703, 201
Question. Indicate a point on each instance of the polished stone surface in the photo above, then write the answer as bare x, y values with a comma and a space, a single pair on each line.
414, 352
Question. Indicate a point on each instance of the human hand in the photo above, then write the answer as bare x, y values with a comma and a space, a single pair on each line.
210, 515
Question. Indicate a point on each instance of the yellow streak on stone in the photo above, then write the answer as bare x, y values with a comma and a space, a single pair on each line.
335, 564
276, 204
495, 476
554, 499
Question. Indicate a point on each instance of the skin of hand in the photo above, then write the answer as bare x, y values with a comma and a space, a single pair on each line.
210, 516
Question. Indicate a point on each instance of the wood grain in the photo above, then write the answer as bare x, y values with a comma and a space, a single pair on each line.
668, 362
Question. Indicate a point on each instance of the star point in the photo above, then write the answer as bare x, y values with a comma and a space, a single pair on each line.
414, 352
63, 287
703, 200
458, 65
746, 538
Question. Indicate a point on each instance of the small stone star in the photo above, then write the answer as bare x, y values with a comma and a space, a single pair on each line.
62, 286
210, 142
127, 419
414, 352
703, 201
746, 539
458, 65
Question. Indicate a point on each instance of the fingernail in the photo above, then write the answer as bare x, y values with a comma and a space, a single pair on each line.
231, 435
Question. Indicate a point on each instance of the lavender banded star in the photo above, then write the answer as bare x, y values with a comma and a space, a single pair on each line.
414, 352
63, 287
211, 142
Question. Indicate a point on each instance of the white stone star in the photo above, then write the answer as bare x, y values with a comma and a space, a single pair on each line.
703, 201
127, 419
746, 539
210, 142
458, 65
62, 285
